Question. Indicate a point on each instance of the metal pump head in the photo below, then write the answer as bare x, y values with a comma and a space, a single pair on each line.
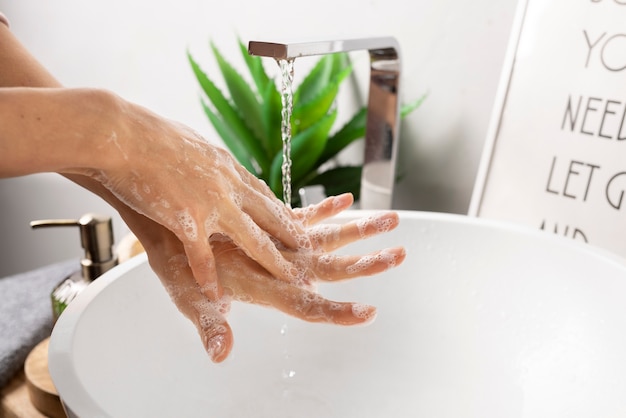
96, 236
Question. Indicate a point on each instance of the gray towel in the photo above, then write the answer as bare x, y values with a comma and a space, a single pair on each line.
26, 313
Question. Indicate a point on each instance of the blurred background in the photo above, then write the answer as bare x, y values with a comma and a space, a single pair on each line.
453, 50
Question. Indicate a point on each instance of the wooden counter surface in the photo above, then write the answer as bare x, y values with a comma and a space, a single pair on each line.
15, 401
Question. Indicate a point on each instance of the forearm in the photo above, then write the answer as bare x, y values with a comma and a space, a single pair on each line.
32, 138
55, 130
46, 128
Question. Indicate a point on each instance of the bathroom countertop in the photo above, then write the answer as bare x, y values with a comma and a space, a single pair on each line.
15, 401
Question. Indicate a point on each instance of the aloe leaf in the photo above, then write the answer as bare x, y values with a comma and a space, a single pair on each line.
272, 118
256, 69
306, 114
230, 139
314, 81
243, 96
230, 117
305, 150
340, 61
407, 109
338, 180
353, 129
270, 97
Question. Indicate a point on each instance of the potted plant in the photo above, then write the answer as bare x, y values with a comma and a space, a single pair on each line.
249, 123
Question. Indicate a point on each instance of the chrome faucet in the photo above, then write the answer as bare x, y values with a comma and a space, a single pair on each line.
381, 132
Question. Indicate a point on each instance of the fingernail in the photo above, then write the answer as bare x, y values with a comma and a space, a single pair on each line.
216, 347
342, 199
367, 313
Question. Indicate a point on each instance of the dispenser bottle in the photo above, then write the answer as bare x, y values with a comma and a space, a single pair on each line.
96, 236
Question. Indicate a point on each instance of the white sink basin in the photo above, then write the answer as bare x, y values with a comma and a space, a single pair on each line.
483, 319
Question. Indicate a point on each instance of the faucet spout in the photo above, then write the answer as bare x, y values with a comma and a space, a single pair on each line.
383, 117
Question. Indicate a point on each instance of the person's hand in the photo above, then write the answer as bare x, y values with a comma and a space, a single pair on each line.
154, 166
244, 280
170, 174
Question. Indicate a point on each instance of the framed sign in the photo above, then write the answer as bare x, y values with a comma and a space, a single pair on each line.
555, 156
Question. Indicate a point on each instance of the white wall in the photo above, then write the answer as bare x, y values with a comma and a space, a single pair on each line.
452, 49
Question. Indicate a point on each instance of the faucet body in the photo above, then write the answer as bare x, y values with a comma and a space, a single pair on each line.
383, 118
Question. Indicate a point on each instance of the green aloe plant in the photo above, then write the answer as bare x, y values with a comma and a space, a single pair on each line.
249, 122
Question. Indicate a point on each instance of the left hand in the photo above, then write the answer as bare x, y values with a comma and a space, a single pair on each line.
245, 280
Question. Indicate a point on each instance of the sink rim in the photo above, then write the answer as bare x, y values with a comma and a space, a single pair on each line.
62, 337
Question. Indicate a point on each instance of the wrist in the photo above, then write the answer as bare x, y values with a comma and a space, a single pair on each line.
94, 118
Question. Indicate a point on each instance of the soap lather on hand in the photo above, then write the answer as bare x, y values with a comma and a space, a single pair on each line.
244, 280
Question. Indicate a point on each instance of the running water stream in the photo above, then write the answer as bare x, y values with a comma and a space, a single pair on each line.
286, 95
294, 398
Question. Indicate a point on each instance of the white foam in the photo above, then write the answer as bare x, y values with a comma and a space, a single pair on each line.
211, 222
237, 199
381, 222
208, 321
186, 221
361, 265
362, 311
220, 329
336, 306
327, 259
324, 234
303, 242
245, 298
113, 139
212, 313
135, 192
384, 256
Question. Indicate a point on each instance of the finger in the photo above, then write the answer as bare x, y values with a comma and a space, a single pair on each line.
210, 321
194, 238
202, 263
214, 330
259, 247
208, 316
330, 267
298, 302
312, 307
272, 216
254, 182
327, 208
254, 197
330, 237
248, 282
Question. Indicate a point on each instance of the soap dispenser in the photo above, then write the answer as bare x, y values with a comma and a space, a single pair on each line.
96, 236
